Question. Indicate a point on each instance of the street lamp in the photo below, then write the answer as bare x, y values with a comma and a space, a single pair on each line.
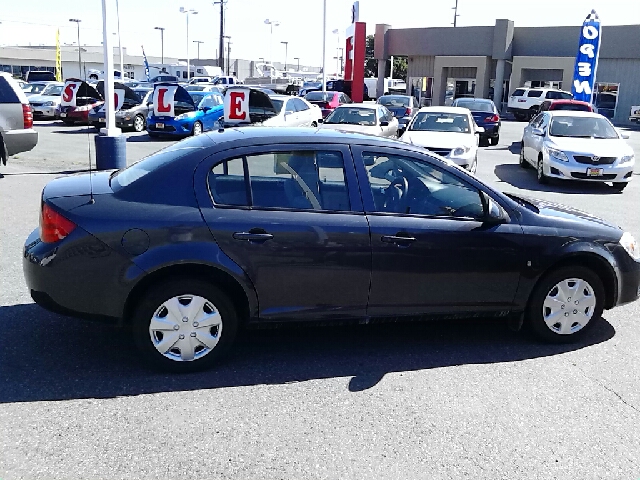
77, 22
271, 23
161, 42
296, 58
198, 42
286, 51
228, 38
337, 32
193, 12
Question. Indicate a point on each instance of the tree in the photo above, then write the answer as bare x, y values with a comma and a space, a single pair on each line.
371, 64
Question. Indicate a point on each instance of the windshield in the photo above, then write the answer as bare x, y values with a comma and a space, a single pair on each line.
441, 122
52, 90
278, 104
211, 101
475, 106
197, 96
352, 116
318, 97
582, 127
395, 101
34, 87
194, 88
578, 107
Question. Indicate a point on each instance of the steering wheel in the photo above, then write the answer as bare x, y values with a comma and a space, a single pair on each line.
395, 194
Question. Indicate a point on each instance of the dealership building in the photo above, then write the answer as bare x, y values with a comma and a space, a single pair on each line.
491, 62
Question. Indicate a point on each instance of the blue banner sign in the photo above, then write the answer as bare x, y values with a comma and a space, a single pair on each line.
146, 65
584, 73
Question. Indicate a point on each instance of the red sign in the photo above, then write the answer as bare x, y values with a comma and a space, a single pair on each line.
163, 100
69, 93
236, 105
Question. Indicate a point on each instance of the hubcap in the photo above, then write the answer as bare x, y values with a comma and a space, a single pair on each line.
139, 124
540, 169
185, 328
197, 129
569, 306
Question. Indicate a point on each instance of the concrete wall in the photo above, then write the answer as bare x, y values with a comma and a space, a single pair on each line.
472, 67
463, 41
626, 72
564, 64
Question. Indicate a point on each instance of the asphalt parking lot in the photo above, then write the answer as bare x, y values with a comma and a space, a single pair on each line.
455, 399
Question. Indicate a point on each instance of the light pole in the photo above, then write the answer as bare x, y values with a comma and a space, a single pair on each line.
337, 33
271, 23
221, 52
286, 52
324, 46
228, 38
161, 42
341, 60
198, 42
77, 22
296, 58
119, 42
455, 14
193, 12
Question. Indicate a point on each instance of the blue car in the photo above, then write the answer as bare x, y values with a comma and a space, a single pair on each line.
194, 113
486, 116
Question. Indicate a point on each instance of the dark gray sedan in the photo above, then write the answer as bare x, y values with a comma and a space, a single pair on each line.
132, 115
403, 107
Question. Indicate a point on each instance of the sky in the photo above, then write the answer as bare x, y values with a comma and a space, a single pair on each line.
300, 22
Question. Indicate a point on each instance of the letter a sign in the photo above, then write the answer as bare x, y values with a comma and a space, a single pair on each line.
584, 73
163, 101
69, 92
236, 105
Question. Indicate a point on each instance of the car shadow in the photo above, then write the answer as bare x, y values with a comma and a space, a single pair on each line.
146, 138
44, 356
525, 179
80, 129
58, 172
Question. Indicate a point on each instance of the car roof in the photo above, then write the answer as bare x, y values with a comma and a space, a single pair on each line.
462, 110
280, 97
371, 106
568, 102
573, 113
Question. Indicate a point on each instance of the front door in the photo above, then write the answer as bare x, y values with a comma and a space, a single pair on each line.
293, 221
432, 252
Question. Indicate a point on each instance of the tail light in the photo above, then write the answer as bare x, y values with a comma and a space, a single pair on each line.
27, 116
53, 226
408, 111
492, 119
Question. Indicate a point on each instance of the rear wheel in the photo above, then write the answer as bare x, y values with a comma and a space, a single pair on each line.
483, 141
620, 186
495, 140
138, 123
565, 304
542, 178
197, 128
184, 325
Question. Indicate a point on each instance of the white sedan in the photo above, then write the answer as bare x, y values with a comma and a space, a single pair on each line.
573, 145
449, 132
293, 112
367, 118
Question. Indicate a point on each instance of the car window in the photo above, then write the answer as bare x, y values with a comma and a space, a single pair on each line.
307, 180
352, 116
300, 105
556, 95
441, 122
582, 127
290, 108
534, 93
7, 94
536, 121
394, 101
576, 107
518, 92
475, 106
406, 185
210, 101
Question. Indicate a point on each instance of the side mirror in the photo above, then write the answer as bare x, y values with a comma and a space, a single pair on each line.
384, 123
206, 109
479, 130
537, 131
321, 120
622, 134
494, 215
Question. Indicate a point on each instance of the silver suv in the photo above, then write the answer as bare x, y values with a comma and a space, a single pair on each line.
16, 119
525, 102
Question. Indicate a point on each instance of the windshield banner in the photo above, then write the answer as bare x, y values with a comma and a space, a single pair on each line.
584, 73
163, 100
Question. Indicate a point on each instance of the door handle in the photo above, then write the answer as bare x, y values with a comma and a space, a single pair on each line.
397, 239
252, 237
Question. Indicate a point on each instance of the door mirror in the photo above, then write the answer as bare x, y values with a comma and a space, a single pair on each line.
321, 120
384, 123
537, 131
493, 213
622, 134
205, 109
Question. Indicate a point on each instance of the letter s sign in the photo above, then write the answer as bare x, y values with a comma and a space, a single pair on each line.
68, 97
236, 105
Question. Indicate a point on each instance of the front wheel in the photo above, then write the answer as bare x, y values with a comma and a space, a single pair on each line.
542, 178
620, 186
197, 128
184, 325
522, 161
565, 304
138, 123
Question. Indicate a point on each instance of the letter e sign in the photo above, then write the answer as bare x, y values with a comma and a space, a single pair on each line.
236, 105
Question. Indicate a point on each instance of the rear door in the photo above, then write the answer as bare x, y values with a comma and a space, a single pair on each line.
291, 217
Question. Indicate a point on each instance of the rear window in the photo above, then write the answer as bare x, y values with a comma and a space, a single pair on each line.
534, 93
125, 177
40, 76
518, 92
7, 94
394, 101
558, 95
475, 106
576, 107
319, 97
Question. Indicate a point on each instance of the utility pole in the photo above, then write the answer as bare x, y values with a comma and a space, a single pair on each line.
286, 52
161, 42
455, 15
228, 53
221, 45
198, 42
77, 22
296, 58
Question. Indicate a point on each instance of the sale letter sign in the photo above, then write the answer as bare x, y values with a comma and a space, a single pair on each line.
163, 100
69, 93
236, 105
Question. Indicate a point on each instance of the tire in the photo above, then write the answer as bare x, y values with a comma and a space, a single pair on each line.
519, 117
197, 129
542, 178
522, 161
545, 305
314, 124
474, 166
217, 310
620, 186
483, 142
138, 123
495, 140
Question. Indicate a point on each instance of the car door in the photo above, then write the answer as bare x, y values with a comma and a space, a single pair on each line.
291, 218
527, 136
290, 115
303, 113
433, 251
536, 141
